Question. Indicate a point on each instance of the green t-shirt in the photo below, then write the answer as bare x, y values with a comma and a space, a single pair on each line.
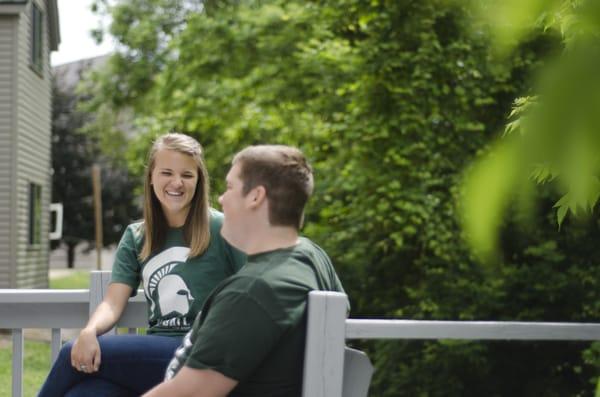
253, 325
175, 286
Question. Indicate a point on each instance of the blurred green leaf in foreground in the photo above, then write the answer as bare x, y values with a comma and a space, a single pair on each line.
552, 136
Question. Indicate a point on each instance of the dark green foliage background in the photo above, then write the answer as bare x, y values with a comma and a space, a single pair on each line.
74, 152
391, 100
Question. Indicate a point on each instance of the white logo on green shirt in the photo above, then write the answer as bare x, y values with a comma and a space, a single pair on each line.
166, 290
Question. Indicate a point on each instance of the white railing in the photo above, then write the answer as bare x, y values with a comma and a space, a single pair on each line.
57, 309
52, 309
326, 364
328, 329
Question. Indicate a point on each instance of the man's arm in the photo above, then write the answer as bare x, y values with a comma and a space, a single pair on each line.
190, 382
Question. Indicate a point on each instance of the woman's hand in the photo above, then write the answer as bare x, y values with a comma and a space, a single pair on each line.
85, 353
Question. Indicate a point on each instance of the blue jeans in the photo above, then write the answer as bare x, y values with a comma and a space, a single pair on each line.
129, 366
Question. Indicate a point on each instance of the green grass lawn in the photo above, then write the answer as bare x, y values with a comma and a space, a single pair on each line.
37, 354
35, 367
76, 280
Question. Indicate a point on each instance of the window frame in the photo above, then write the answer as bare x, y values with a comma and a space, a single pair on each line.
37, 39
35, 214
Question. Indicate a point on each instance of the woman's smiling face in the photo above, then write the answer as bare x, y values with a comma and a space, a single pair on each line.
174, 179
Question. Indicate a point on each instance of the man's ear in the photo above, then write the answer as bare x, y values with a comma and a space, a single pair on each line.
257, 196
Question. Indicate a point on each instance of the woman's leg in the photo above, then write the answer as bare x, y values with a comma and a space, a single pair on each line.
97, 387
133, 362
62, 375
136, 362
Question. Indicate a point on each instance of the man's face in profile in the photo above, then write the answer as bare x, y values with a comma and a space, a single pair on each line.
233, 203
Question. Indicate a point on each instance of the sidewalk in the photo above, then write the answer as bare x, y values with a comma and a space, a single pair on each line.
83, 260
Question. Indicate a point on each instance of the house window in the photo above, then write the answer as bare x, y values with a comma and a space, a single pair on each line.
35, 214
37, 59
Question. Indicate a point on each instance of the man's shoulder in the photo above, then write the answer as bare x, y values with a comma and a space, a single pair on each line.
259, 286
307, 244
325, 275
277, 272
309, 250
245, 282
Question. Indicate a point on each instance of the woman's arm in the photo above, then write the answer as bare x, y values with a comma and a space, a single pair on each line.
109, 311
85, 354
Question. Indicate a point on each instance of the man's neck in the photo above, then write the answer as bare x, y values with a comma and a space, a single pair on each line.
270, 239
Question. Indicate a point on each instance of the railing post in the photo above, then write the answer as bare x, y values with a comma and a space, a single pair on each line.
17, 362
325, 337
98, 285
55, 344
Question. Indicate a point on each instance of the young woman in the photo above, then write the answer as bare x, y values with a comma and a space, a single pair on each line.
178, 254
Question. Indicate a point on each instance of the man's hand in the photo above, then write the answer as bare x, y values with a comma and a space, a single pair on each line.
190, 382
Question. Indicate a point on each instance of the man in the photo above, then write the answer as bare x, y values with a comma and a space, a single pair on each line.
249, 338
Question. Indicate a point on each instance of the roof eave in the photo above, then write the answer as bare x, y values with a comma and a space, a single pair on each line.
15, 7
12, 7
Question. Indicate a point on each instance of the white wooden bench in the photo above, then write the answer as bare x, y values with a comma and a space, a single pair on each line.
355, 366
330, 370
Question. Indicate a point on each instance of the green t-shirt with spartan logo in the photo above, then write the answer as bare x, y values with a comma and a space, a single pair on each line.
175, 286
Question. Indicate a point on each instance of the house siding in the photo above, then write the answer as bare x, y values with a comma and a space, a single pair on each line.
33, 148
8, 61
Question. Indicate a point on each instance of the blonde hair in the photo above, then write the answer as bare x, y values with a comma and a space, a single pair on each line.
196, 230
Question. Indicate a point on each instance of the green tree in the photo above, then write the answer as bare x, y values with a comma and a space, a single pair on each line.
73, 154
72, 158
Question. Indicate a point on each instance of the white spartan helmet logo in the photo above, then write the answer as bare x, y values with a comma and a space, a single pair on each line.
173, 295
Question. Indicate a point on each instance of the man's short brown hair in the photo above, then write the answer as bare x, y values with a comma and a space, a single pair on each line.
286, 176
